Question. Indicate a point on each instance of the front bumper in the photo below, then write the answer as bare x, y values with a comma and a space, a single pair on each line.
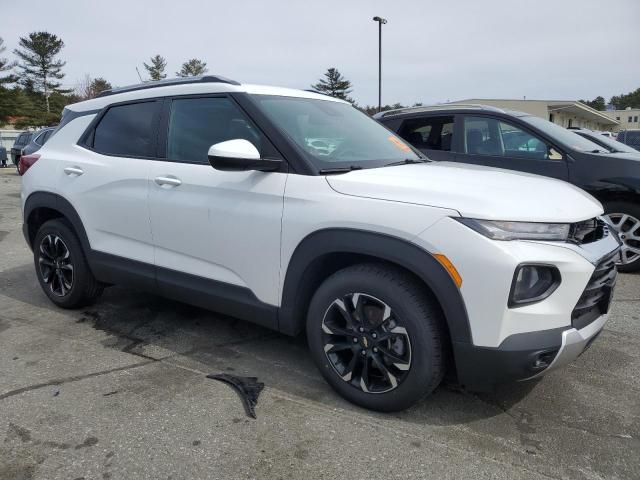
522, 356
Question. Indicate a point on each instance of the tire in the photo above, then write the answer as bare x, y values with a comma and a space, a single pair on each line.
417, 370
56, 248
625, 218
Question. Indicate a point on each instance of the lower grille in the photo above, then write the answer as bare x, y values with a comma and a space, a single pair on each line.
597, 295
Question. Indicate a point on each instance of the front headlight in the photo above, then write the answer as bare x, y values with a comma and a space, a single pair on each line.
504, 230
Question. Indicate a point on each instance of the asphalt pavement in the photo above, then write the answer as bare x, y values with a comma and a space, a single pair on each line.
119, 391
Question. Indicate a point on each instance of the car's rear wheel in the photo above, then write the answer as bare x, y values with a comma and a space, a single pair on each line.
376, 337
62, 268
625, 218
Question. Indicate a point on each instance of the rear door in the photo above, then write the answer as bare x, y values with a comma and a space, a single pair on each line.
432, 135
105, 178
214, 230
496, 142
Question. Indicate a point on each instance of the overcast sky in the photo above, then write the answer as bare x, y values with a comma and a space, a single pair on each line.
433, 51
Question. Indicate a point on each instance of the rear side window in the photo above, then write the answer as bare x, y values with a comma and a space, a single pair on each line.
197, 123
127, 130
23, 139
428, 133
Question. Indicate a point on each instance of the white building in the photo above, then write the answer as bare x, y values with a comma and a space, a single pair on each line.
628, 118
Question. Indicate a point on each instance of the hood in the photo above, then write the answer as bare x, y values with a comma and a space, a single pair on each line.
633, 156
474, 191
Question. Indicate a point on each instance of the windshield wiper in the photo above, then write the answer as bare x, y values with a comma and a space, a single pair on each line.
332, 170
406, 161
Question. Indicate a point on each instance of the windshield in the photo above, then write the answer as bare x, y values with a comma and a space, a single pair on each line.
567, 137
609, 143
335, 134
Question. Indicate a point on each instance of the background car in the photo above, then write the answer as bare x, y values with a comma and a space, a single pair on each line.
3, 156
22, 141
38, 139
494, 137
630, 137
607, 142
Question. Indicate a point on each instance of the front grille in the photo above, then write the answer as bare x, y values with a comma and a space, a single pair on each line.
597, 295
588, 231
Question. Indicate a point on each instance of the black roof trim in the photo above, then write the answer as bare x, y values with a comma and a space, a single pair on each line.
168, 83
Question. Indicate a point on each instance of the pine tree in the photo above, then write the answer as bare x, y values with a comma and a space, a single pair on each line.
598, 103
6, 66
156, 68
193, 68
39, 65
334, 84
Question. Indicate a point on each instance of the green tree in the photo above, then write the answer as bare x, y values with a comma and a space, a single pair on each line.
622, 101
334, 84
39, 63
193, 68
91, 87
156, 67
597, 103
6, 66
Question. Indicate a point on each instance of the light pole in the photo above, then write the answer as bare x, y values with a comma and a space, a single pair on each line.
380, 21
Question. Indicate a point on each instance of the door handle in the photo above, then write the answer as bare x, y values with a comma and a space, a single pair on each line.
73, 171
168, 181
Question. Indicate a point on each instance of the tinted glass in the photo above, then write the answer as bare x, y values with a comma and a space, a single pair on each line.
489, 136
562, 135
334, 134
197, 123
45, 137
127, 130
609, 143
428, 133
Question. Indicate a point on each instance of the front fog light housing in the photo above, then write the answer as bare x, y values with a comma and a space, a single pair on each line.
533, 283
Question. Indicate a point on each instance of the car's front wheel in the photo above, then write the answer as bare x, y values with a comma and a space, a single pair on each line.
61, 267
376, 337
625, 218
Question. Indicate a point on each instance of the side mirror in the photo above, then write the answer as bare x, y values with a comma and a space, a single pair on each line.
553, 154
239, 155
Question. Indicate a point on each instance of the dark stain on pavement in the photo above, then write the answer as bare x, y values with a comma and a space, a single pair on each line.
89, 442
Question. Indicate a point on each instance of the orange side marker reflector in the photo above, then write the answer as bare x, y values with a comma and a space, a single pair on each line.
448, 266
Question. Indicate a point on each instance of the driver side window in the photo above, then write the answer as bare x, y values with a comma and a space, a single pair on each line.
489, 136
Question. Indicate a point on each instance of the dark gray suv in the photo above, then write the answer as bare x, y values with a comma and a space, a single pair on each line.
484, 135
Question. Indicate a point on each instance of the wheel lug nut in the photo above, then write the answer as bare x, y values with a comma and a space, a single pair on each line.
374, 335
361, 329
355, 340
375, 349
363, 352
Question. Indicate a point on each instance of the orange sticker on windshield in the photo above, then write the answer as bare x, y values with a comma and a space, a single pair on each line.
400, 145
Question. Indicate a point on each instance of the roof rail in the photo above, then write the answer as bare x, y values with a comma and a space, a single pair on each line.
443, 106
167, 83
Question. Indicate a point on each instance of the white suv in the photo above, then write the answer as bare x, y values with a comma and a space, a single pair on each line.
298, 212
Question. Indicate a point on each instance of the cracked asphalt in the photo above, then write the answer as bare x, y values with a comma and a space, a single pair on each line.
118, 391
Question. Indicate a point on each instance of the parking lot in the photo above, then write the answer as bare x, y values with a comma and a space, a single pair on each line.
119, 390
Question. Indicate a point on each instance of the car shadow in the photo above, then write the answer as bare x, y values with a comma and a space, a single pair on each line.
159, 329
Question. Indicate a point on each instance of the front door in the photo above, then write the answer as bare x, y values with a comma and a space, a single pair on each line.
213, 229
497, 143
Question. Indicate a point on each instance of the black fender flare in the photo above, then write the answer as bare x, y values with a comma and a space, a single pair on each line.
382, 246
60, 204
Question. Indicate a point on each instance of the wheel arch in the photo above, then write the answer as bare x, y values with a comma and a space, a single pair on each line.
324, 252
43, 206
